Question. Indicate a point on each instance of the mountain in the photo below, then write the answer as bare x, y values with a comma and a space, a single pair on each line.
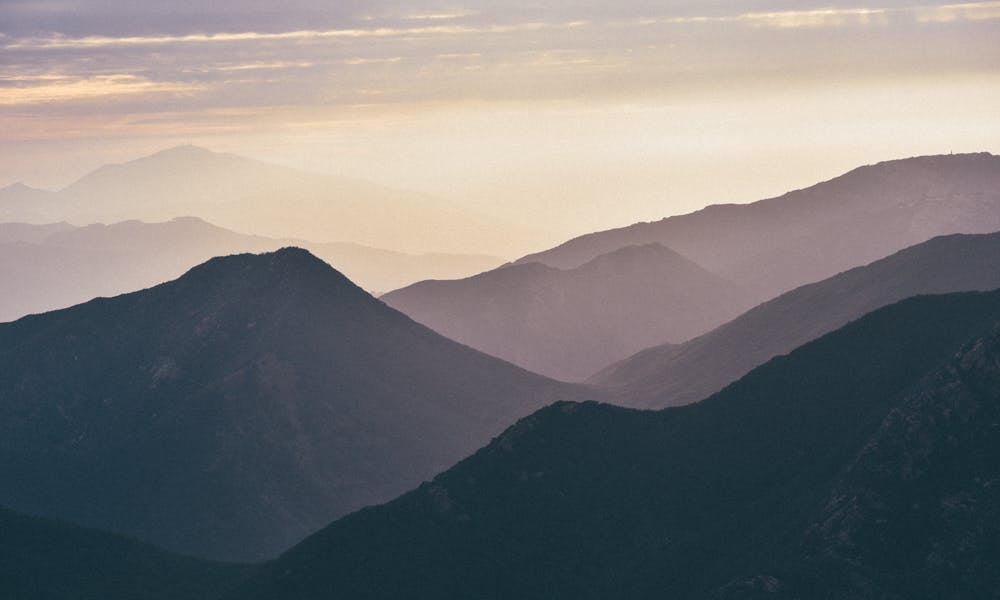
672, 375
26, 232
19, 202
41, 559
568, 323
916, 513
776, 245
259, 198
233, 411
594, 501
45, 267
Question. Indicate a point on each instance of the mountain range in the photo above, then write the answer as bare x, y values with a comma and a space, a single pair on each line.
564, 320
45, 267
775, 245
839, 440
569, 323
761, 490
670, 375
233, 411
259, 198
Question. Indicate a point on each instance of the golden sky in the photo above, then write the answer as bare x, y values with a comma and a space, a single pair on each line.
578, 115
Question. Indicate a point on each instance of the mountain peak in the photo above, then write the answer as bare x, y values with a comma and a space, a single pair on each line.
286, 268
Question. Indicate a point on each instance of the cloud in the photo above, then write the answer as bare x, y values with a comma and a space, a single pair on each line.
96, 42
826, 17
57, 88
949, 13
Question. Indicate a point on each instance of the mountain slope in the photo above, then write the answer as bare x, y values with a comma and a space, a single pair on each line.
916, 513
567, 324
232, 411
42, 559
45, 267
259, 198
775, 245
593, 501
673, 375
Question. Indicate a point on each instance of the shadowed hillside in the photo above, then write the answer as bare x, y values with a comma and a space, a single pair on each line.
593, 501
235, 410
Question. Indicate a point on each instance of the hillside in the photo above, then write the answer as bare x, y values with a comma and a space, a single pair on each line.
233, 411
670, 375
807, 235
41, 559
567, 324
593, 501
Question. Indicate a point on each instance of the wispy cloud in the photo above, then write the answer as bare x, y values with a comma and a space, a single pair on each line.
369, 61
93, 42
949, 13
827, 17
56, 88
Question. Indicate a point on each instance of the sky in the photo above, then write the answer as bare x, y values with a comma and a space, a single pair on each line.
574, 116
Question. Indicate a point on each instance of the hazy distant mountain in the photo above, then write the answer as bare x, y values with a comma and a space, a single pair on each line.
593, 501
775, 245
27, 232
673, 375
42, 559
567, 324
19, 202
254, 197
44, 267
231, 412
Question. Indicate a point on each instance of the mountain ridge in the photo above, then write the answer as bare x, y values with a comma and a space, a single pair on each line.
567, 323
596, 501
776, 244
678, 374
269, 383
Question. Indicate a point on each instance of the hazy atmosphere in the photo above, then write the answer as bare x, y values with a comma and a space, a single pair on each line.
590, 300
566, 116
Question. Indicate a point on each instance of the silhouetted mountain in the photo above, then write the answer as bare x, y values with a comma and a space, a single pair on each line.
775, 245
917, 514
41, 559
673, 375
255, 197
567, 324
62, 265
231, 412
594, 501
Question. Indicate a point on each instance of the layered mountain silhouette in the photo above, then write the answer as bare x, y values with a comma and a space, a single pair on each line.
231, 412
872, 449
42, 559
259, 198
775, 245
568, 323
671, 375
45, 267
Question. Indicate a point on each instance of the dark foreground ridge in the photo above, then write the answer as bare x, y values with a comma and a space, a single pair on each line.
42, 559
814, 454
